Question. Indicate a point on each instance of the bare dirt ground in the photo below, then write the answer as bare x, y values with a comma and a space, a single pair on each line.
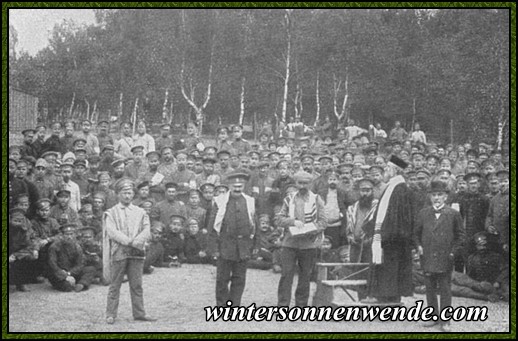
177, 298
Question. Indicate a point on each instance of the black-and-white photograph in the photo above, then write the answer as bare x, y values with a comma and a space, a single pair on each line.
272, 170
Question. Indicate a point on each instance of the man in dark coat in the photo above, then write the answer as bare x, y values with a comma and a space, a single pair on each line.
232, 232
438, 234
474, 207
66, 268
391, 271
22, 250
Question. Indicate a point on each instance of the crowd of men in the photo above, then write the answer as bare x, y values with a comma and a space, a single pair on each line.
60, 187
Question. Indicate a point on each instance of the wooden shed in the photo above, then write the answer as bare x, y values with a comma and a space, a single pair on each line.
23, 111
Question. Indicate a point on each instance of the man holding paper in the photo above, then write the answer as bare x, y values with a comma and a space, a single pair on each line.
303, 217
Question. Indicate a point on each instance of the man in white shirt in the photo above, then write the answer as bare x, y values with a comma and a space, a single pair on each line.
144, 139
418, 135
67, 169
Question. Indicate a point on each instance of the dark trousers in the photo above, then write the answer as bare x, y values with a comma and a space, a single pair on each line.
438, 284
336, 236
291, 259
85, 278
24, 271
231, 273
134, 269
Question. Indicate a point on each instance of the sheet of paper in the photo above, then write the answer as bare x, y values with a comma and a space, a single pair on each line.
156, 179
295, 231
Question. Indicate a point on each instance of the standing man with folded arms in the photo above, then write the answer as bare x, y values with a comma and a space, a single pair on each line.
126, 229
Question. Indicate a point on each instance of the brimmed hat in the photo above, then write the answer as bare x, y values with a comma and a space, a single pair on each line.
238, 177
438, 186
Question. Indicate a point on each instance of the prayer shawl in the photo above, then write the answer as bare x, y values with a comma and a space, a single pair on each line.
222, 201
377, 252
351, 215
310, 208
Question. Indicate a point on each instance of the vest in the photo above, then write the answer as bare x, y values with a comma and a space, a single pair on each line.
222, 202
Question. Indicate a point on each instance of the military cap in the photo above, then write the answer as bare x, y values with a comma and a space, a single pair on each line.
209, 160
325, 157
86, 120
16, 211
472, 175
78, 163
273, 153
48, 153
79, 139
85, 229
42, 203
79, 150
237, 176
99, 195
220, 129
124, 183
108, 147
39, 126
171, 185
69, 155
194, 190
365, 179
263, 164
472, 152
423, 171
221, 186
378, 168
68, 228
102, 122
117, 163
181, 152
67, 164
137, 148
302, 176
206, 185
63, 193
476, 163
221, 152
418, 153
447, 171
30, 159
502, 173
148, 155
143, 184
280, 163
94, 158
164, 148
209, 148
177, 216
307, 156
41, 163
27, 131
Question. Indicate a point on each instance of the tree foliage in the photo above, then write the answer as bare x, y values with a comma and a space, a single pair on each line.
447, 65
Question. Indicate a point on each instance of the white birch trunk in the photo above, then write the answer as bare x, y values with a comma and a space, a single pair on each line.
70, 111
317, 95
242, 101
164, 106
288, 60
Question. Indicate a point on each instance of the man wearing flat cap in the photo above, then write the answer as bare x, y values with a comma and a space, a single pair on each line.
232, 225
126, 229
391, 272
302, 212
439, 235
28, 137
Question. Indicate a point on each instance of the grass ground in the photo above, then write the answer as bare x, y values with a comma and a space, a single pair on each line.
177, 298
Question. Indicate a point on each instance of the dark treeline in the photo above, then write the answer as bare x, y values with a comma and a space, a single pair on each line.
372, 65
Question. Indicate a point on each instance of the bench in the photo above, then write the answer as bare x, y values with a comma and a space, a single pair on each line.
325, 293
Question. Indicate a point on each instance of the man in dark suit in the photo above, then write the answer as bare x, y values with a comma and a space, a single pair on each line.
232, 234
438, 234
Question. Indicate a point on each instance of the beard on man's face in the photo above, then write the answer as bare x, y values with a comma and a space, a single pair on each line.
303, 191
332, 185
366, 201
